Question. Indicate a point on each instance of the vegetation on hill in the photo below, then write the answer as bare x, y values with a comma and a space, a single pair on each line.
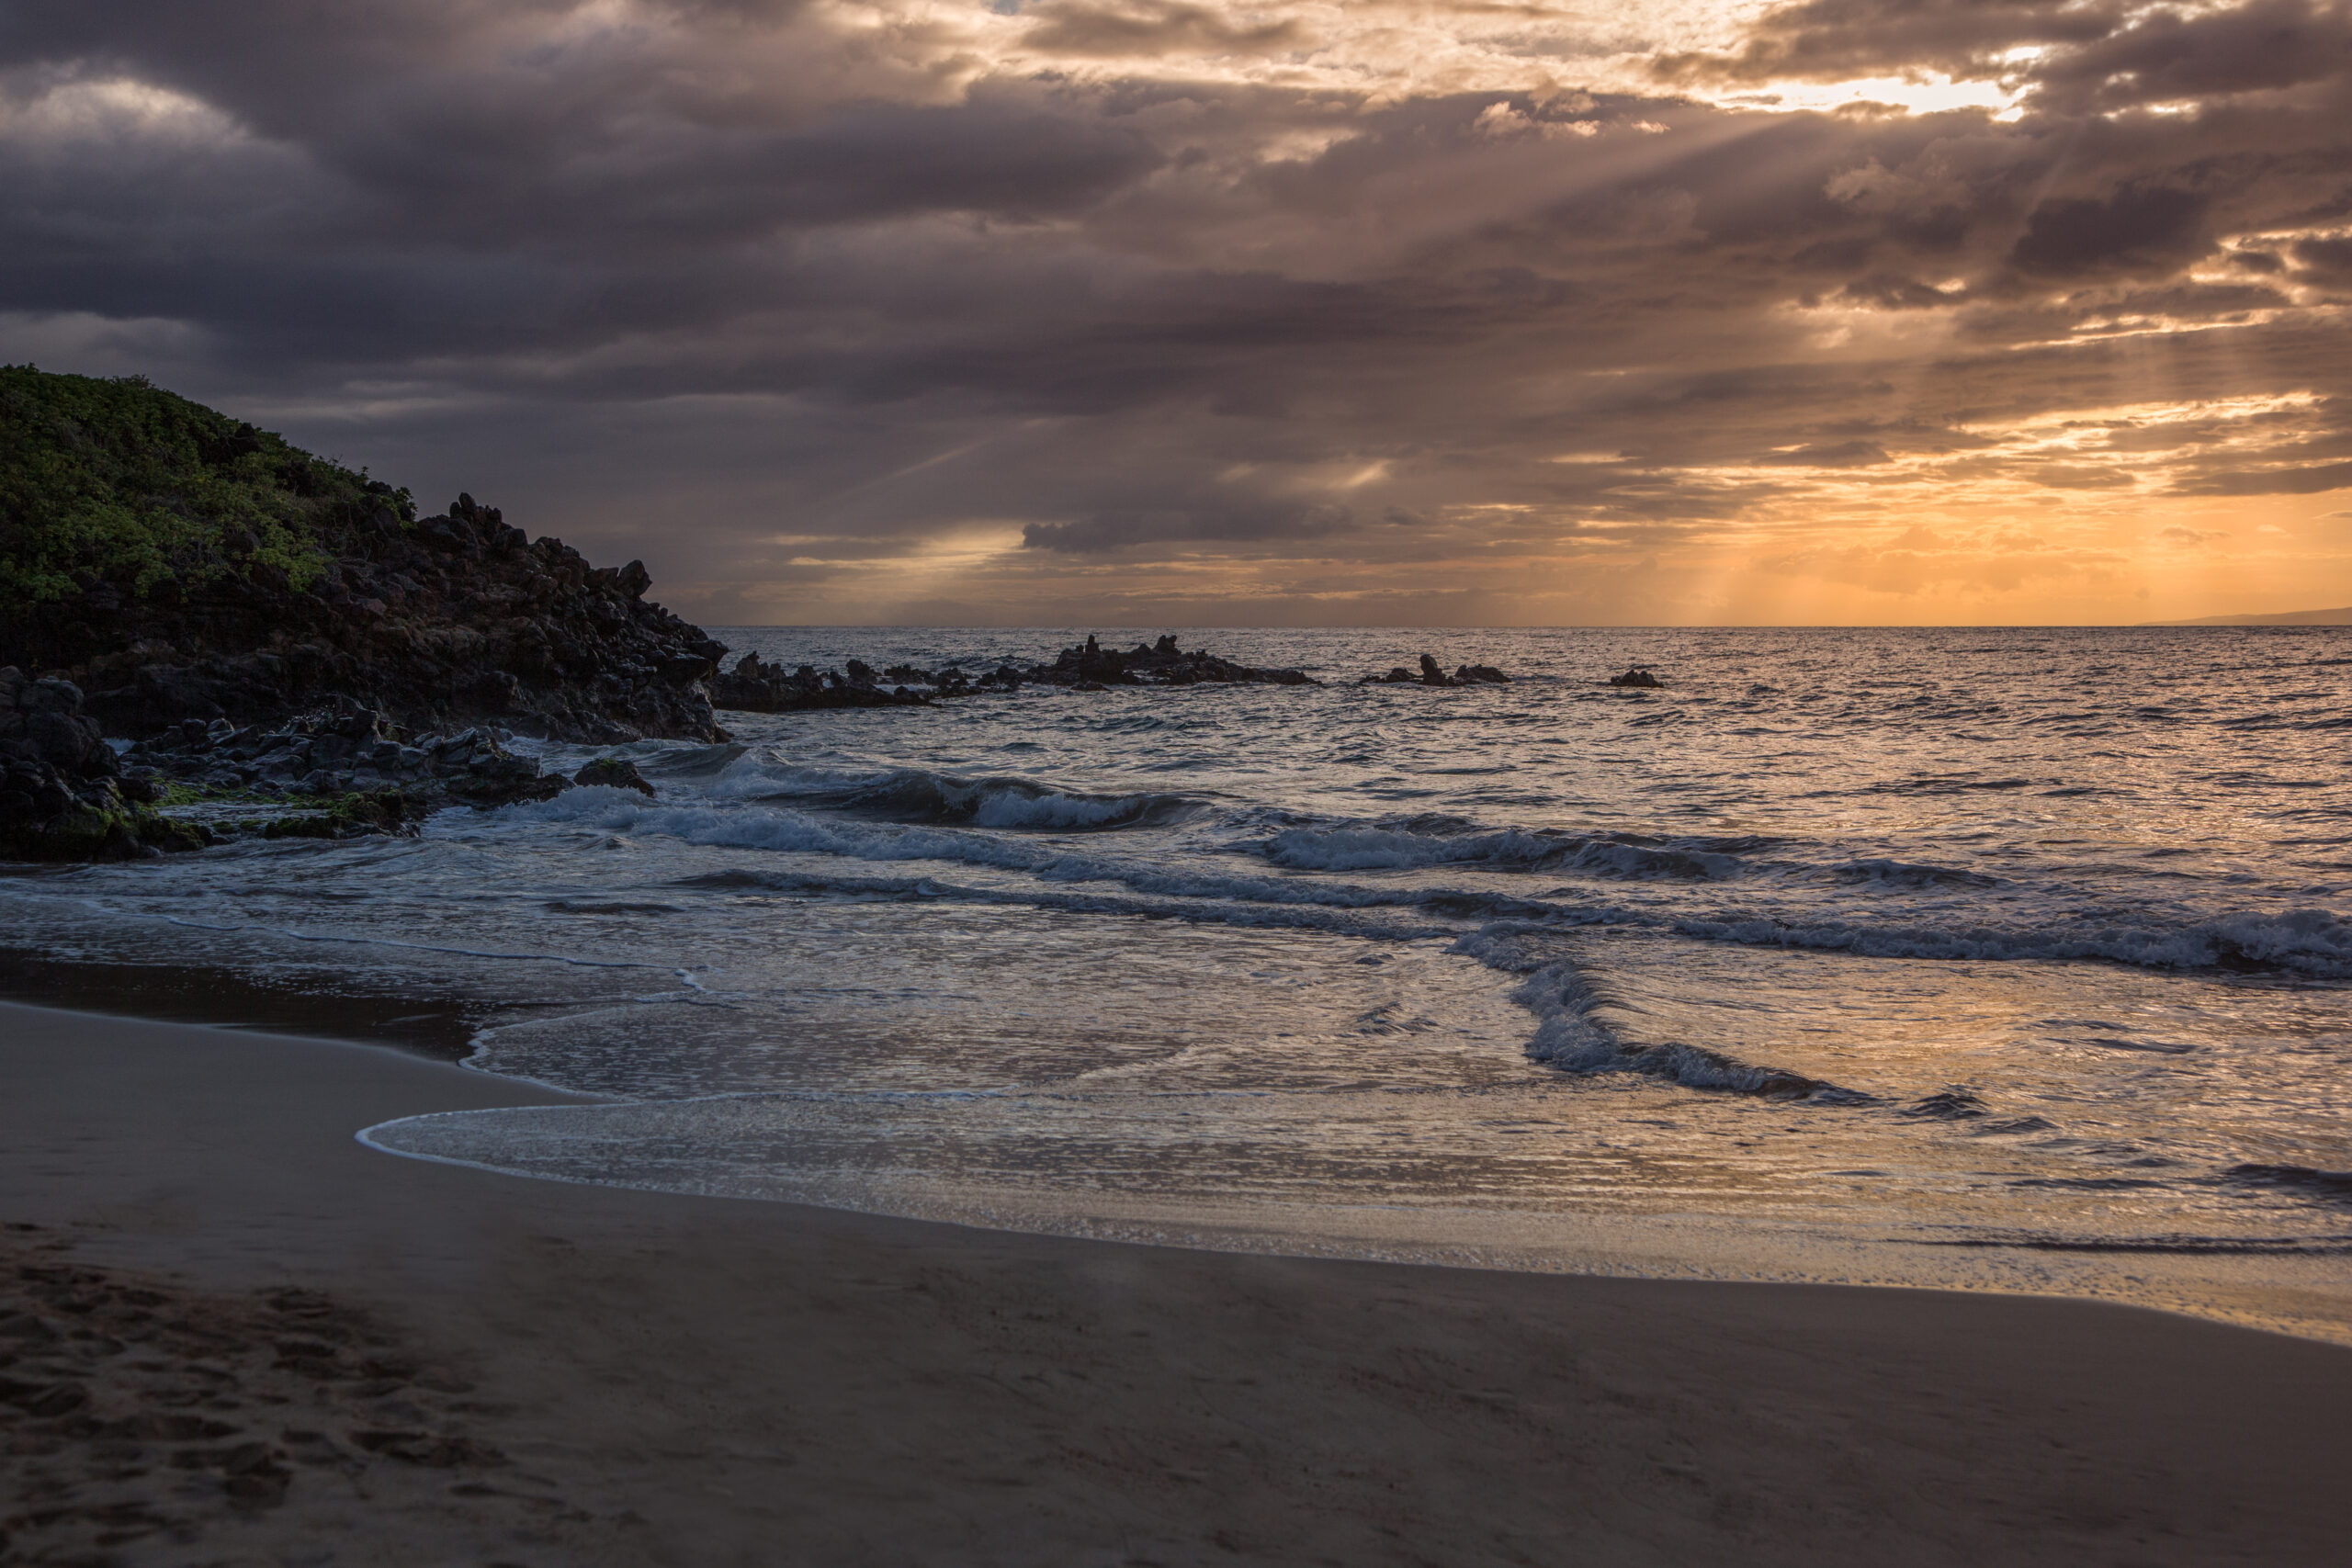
172, 563
117, 489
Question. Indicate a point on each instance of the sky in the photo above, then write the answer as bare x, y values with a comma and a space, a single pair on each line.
1173, 311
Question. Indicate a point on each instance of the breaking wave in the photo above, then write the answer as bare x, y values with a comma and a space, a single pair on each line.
1573, 1035
2313, 942
1377, 847
921, 795
2317, 942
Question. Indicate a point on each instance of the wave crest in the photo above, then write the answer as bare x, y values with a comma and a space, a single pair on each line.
919, 795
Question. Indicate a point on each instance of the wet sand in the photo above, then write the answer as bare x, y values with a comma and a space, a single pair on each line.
234, 1335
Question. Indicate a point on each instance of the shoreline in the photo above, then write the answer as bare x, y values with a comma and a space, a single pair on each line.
730, 1374
2299, 1293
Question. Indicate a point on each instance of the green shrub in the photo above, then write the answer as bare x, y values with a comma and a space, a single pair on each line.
119, 481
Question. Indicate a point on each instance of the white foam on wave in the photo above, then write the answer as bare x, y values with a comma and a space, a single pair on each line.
771, 827
2312, 942
921, 795
790, 830
1572, 1031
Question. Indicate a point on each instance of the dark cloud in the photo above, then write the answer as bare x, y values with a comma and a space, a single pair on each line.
2105, 54
2149, 229
1837, 455
2273, 481
1154, 28
2325, 261
2163, 55
776, 298
1222, 520
1833, 39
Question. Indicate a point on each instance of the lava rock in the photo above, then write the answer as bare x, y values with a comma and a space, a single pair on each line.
1089, 667
341, 771
1638, 677
1431, 673
1160, 663
753, 686
614, 773
257, 591
63, 796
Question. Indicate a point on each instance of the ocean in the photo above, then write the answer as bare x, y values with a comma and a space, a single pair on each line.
2010, 960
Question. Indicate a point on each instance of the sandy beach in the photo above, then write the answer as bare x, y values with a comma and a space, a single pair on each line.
232, 1334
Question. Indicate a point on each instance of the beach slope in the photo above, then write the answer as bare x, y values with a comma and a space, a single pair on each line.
408, 1362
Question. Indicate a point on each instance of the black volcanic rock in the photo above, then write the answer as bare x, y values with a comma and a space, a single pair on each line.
1637, 677
616, 773
61, 793
1160, 663
341, 770
178, 565
759, 687
756, 687
1431, 673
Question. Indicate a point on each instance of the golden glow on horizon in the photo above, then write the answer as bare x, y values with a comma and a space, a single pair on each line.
1564, 376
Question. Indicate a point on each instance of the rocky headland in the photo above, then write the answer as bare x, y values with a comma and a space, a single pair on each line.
292, 648
177, 564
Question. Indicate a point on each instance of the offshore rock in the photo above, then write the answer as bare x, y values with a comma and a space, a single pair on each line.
756, 687
1431, 673
1160, 663
769, 688
1637, 677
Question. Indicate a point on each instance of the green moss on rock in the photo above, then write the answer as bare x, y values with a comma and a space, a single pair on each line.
351, 816
98, 826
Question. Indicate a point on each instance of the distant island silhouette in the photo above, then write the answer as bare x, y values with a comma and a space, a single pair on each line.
2284, 618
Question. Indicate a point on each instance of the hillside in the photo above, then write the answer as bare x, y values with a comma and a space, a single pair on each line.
176, 563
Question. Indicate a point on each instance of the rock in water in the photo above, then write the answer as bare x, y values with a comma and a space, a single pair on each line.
616, 772
767, 688
1161, 663
756, 687
1637, 677
1433, 674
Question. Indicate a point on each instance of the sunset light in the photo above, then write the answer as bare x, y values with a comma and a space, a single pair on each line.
1241, 314
1151, 783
